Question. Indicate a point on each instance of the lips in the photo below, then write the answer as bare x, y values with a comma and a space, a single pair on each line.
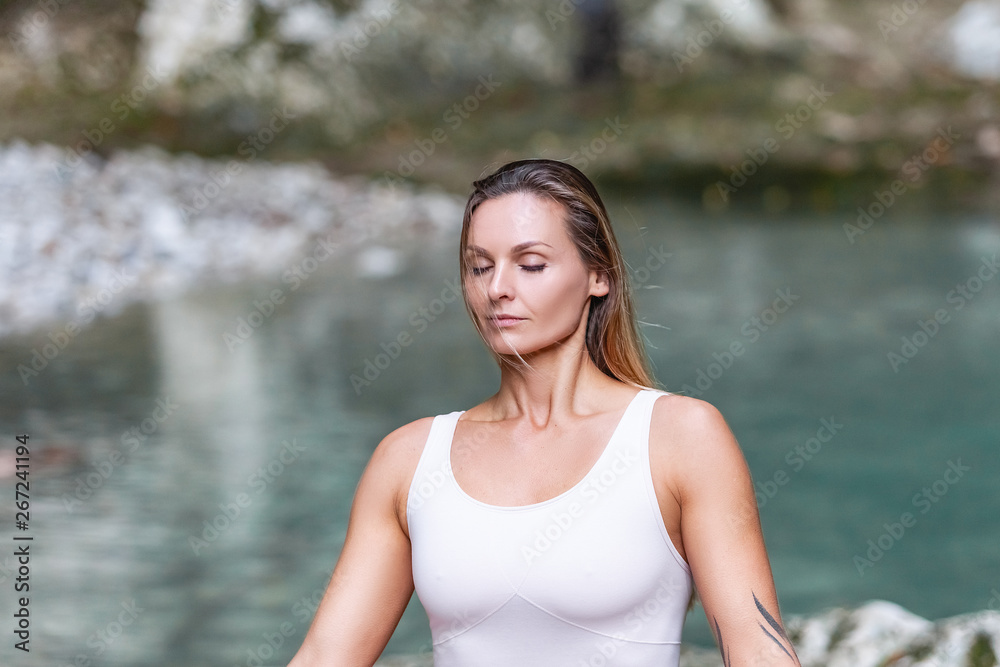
504, 320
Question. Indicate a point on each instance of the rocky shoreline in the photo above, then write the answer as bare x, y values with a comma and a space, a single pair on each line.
875, 634
84, 237
794, 103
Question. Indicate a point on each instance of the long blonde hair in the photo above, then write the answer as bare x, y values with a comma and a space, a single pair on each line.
613, 340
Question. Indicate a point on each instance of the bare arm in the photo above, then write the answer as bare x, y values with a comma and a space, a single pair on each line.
722, 538
373, 579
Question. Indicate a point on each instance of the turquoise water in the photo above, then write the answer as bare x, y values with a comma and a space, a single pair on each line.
266, 438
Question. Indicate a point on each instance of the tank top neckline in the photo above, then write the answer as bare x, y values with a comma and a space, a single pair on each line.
549, 501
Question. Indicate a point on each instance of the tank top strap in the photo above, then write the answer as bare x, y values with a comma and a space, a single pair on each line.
635, 430
638, 445
434, 466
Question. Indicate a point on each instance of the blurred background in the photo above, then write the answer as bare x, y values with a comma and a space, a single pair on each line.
228, 235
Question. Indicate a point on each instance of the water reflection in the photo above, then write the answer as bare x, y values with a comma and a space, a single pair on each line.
194, 481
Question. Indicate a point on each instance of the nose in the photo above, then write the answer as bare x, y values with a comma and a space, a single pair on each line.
500, 286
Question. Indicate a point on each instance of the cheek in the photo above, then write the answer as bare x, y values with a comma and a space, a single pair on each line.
565, 296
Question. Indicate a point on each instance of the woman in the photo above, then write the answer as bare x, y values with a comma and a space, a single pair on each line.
564, 520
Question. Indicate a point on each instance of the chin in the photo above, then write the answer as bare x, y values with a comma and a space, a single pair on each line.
499, 345
525, 348
507, 350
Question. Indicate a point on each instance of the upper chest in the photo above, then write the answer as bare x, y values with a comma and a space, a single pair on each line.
513, 463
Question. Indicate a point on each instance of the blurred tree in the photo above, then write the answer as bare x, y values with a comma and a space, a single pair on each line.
598, 56
783, 9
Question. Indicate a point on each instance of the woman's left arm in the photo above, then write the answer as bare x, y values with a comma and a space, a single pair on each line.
721, 535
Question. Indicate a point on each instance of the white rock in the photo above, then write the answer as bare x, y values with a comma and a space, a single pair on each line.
69, 239
177, 33
974, 37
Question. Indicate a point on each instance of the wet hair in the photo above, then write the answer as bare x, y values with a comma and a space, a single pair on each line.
613, 340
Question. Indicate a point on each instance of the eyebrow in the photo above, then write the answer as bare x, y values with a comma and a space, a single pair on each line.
516, 249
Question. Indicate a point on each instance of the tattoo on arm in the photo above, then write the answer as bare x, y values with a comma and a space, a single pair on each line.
726, 659
771, 621
774, 625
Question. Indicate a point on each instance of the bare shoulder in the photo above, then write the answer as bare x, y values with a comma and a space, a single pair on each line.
694, 433
385, 483
400, 450
689, 417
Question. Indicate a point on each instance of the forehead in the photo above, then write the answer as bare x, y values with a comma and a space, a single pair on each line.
516, 217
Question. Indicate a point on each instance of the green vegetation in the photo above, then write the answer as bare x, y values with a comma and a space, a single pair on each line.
981, 653
785, 126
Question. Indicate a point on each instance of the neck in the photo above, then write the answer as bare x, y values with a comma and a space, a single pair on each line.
550, 384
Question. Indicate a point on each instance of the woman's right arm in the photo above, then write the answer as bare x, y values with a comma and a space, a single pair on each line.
373, 579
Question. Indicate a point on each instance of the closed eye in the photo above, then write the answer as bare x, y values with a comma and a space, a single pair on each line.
531, 268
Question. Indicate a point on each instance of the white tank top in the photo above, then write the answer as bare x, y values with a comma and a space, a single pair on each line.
587, 578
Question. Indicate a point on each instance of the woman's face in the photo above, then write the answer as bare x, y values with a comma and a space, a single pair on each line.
526, 283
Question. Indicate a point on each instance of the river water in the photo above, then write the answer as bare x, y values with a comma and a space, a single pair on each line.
190, 488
